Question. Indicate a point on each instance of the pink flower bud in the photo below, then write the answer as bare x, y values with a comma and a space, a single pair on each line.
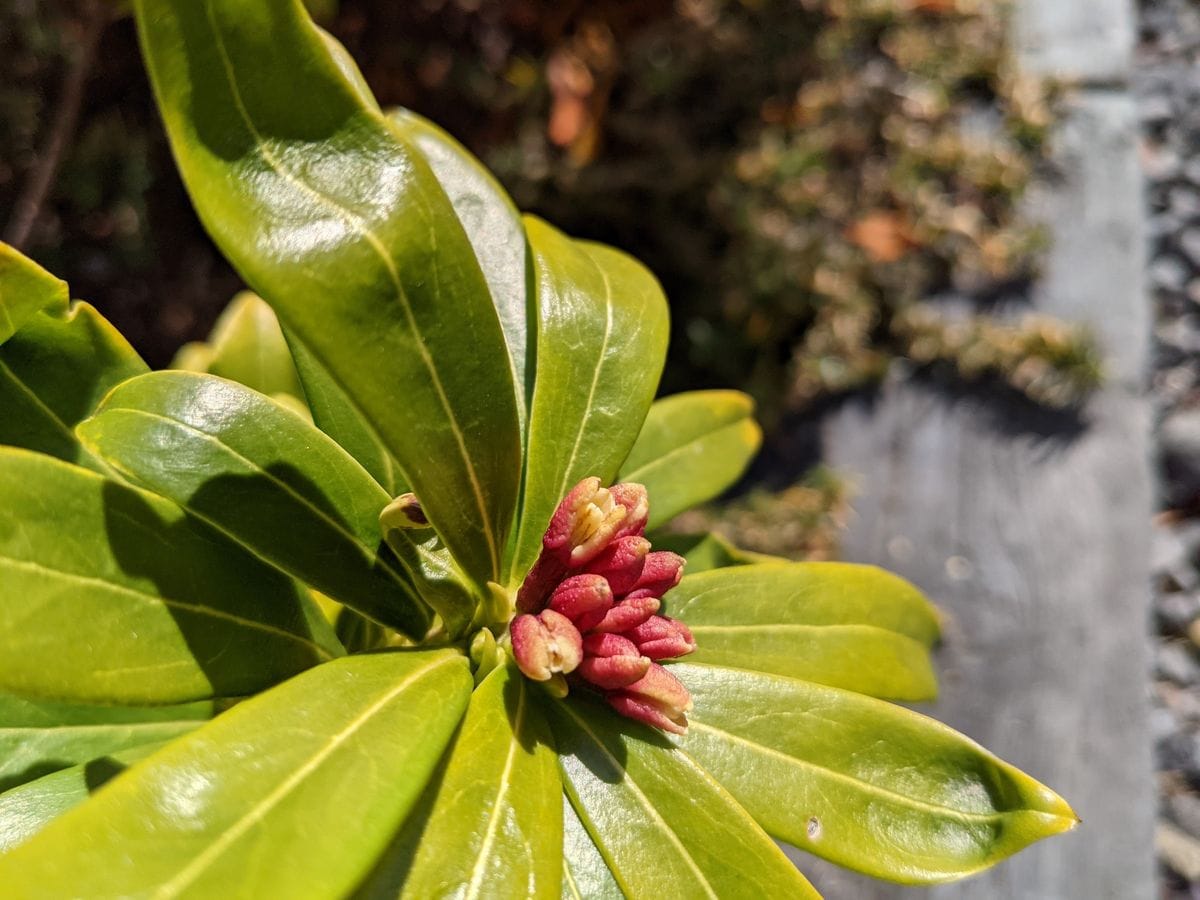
629, 613
545, 644
584, 599
535, 590
584, 523
636, 501
662, 638
621, 563
661, 572
611, 661
657, 699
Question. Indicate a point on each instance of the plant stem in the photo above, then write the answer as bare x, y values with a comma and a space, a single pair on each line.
62, 127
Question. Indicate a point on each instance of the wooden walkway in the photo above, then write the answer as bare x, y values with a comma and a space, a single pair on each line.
1030, 531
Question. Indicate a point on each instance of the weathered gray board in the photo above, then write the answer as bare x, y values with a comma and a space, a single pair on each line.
1031, 534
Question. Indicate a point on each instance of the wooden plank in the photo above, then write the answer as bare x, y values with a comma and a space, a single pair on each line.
1032, 538
1030, 530
1077, 41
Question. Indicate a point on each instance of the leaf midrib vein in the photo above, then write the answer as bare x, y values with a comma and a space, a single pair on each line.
476, 881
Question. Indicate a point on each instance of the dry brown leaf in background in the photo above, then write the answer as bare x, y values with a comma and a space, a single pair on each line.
883, 235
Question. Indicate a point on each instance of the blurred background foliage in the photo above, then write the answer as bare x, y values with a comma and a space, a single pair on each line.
823, 186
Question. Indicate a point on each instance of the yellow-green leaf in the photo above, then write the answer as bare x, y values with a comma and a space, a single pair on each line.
691, 448
586, 875
494, 228
53, 372
255, 804
115, 595
246, 346
863, 783
343, 228
664, 825
335, 415
847, 626
26, 810
264, 477
39, 736
601, 341
784, 594
25, 288
495, 828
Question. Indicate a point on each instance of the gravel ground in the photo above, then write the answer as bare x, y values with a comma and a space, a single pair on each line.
1167, 85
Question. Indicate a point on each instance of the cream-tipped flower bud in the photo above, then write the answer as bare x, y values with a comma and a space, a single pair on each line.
584, 523
545, 645
636, 501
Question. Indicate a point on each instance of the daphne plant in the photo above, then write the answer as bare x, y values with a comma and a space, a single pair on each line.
393, 613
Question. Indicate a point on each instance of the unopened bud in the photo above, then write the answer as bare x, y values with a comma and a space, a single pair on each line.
621, 563
611, 661
403, 512
545, 644
661, 572
584, 599
628, 614
657, 699
662, 638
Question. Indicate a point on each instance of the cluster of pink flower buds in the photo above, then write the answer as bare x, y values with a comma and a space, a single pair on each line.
588, 608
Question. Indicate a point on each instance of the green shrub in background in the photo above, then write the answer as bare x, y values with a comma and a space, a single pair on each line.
503, 708
805, 176
802, 176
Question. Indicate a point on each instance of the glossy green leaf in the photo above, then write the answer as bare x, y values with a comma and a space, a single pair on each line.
343, 228
846, 626
586, 875
25, 288
704, 552
254, 804
38, 737
345, 62
26, 810
866, 784
872, 661
494, 228
691, 448
496, 823
783, 595
665, 827
335, 415
133, 601
53, 372
601, 341
246, 346
264, 477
